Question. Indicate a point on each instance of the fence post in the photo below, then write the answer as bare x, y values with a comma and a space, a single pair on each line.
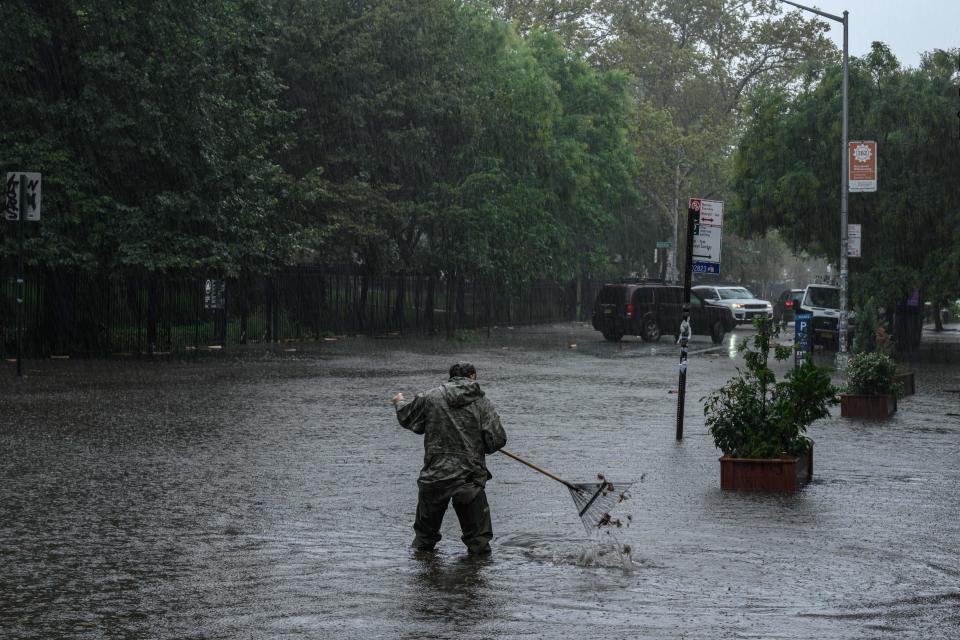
461, 303
270, 286
448, 306
398, 308
241, 295
151, 314
431, 285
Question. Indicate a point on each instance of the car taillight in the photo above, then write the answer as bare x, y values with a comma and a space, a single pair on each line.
789, 303
629, 310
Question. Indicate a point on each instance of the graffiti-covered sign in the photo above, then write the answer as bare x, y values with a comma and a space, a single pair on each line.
214, 294
30, 207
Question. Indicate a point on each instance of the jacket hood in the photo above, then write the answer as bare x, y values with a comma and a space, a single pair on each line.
460, 392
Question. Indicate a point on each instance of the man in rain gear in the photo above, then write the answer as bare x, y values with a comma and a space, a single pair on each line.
459, 427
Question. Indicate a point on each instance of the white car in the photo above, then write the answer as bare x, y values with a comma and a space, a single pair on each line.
742, 304
823, 302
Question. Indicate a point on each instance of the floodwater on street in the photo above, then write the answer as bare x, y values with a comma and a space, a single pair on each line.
271, 494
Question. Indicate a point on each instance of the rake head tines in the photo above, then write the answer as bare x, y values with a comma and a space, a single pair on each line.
596, 500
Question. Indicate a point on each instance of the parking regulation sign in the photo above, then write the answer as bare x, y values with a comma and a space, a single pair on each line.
707, 218
802, 343
853, 241
707, 241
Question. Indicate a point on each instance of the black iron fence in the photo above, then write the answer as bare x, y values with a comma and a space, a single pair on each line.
76, 313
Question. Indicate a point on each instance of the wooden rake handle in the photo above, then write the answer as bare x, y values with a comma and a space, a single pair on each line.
569, 485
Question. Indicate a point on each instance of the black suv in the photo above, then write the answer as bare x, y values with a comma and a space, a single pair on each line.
652, 309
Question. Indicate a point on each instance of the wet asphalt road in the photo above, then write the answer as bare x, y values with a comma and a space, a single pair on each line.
271, 495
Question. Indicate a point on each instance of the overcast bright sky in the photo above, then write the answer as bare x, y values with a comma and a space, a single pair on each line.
907, 27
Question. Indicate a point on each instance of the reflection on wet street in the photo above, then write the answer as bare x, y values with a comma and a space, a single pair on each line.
271, 495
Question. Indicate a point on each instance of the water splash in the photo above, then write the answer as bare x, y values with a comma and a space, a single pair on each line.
606, 551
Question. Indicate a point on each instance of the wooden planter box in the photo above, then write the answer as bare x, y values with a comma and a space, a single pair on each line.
856, 406
907, 382
766, 474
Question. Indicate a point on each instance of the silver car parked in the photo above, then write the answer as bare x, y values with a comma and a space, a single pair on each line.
742, 304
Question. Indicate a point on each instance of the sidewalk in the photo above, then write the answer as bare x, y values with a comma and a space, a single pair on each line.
937, 346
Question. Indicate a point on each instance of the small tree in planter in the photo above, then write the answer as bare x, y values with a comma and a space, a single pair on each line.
871, 390
760, 423
865, 337
872, 336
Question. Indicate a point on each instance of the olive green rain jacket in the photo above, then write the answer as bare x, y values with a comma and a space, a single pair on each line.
459, 427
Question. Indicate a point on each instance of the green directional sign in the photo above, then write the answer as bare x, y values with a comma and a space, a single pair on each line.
664, 244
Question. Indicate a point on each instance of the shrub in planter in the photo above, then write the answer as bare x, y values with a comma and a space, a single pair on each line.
871, 374
872, 336
755, 416
871, 388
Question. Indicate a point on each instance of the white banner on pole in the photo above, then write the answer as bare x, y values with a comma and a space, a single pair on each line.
853, 241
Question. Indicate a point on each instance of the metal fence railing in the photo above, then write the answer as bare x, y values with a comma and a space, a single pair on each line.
72, 312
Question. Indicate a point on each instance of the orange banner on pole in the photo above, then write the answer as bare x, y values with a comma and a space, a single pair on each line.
863, 166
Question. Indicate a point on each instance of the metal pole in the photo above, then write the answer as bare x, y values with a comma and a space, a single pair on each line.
844, 189
841, 360
674, 274
21, 212
687, 276
682, 389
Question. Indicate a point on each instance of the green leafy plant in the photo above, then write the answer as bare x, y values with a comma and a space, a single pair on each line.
872, 374
871, 331
754, 415
865, 339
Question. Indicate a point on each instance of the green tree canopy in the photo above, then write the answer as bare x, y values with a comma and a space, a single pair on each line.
152, 124
691, 66
787, 174
431, 136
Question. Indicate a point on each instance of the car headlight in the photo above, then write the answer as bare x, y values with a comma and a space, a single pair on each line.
737, 305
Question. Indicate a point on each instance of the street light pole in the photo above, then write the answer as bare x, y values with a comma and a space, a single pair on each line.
844, 181
844, 192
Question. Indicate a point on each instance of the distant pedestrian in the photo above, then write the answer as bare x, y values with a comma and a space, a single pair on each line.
460, 427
